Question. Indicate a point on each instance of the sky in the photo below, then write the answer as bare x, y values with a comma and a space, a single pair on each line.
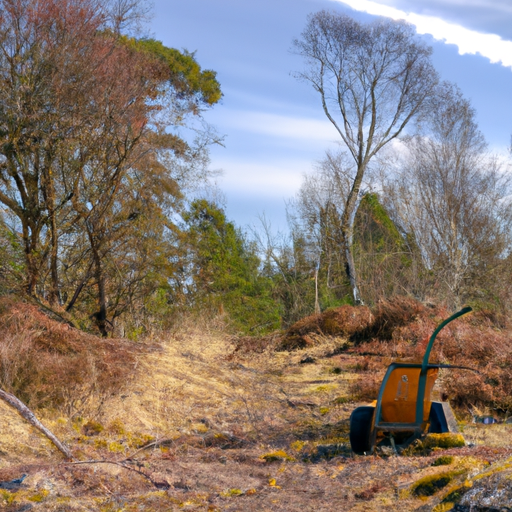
273, 125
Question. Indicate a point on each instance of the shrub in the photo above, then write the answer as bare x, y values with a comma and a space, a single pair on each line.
343, 322
50, 364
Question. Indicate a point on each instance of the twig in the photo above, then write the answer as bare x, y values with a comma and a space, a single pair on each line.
153, 444
115, 463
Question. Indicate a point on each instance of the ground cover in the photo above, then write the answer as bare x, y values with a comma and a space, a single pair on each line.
214, 422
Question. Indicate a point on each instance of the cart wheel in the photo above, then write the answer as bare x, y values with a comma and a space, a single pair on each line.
361, 426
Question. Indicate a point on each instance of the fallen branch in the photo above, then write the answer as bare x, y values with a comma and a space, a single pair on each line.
123, 464
28, 415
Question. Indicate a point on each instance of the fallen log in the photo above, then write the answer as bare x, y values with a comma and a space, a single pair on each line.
28, 415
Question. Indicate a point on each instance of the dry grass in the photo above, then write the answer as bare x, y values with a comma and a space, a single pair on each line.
204, 426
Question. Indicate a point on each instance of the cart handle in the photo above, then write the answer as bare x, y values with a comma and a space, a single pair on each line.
436, 332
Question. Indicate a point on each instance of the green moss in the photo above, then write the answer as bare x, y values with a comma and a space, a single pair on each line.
324, 410
117, 427
232, 492
39, 497
116, 447
92, 428
429, 485
136, 439
100, 443
447, 440
298, 445
7, 497
276, 456
324, 388
454, 496
444, 460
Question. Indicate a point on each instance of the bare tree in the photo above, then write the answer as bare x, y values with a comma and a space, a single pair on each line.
373, 79
314, 214
454, 198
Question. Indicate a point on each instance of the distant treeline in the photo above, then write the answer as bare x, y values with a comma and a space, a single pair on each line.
101, 224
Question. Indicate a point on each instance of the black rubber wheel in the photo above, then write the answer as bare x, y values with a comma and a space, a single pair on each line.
361, 425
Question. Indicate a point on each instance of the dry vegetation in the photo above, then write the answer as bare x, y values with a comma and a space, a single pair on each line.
204, 421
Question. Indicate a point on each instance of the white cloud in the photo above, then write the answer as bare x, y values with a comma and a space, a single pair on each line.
468, 41
281, 126
276, 180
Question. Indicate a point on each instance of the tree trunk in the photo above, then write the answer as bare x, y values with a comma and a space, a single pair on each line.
317, 302
101, 314
54, 297
347, 229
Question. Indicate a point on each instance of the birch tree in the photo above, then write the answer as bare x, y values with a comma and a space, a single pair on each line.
454, 197
373, 80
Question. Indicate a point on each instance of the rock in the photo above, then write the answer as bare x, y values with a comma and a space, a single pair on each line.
13, 484
489, 493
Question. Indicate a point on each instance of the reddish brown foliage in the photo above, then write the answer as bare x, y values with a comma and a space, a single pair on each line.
400, 330
47, 363
391, 315
343, 321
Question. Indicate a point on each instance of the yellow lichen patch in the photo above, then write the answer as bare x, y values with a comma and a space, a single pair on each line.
322, 389
7, 497
273, 483
453, 497
92, 428
231, 492
277, 456
100, 443
136, 439
116, 447
298, 445
39, 496
116, 426
199, 428
443, 507
447, 440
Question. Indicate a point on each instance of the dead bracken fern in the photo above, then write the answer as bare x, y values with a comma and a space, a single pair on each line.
49, 364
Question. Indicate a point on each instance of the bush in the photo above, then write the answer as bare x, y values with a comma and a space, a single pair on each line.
343, 322
49, 364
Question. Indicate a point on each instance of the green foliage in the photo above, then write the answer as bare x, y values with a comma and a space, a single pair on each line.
224, 270
387, 260
183, 71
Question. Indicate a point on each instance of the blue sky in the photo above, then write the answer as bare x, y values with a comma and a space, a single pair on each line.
273, 124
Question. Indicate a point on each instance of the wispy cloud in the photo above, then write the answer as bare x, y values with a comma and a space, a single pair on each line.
282, 126
491, 46
275, 179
